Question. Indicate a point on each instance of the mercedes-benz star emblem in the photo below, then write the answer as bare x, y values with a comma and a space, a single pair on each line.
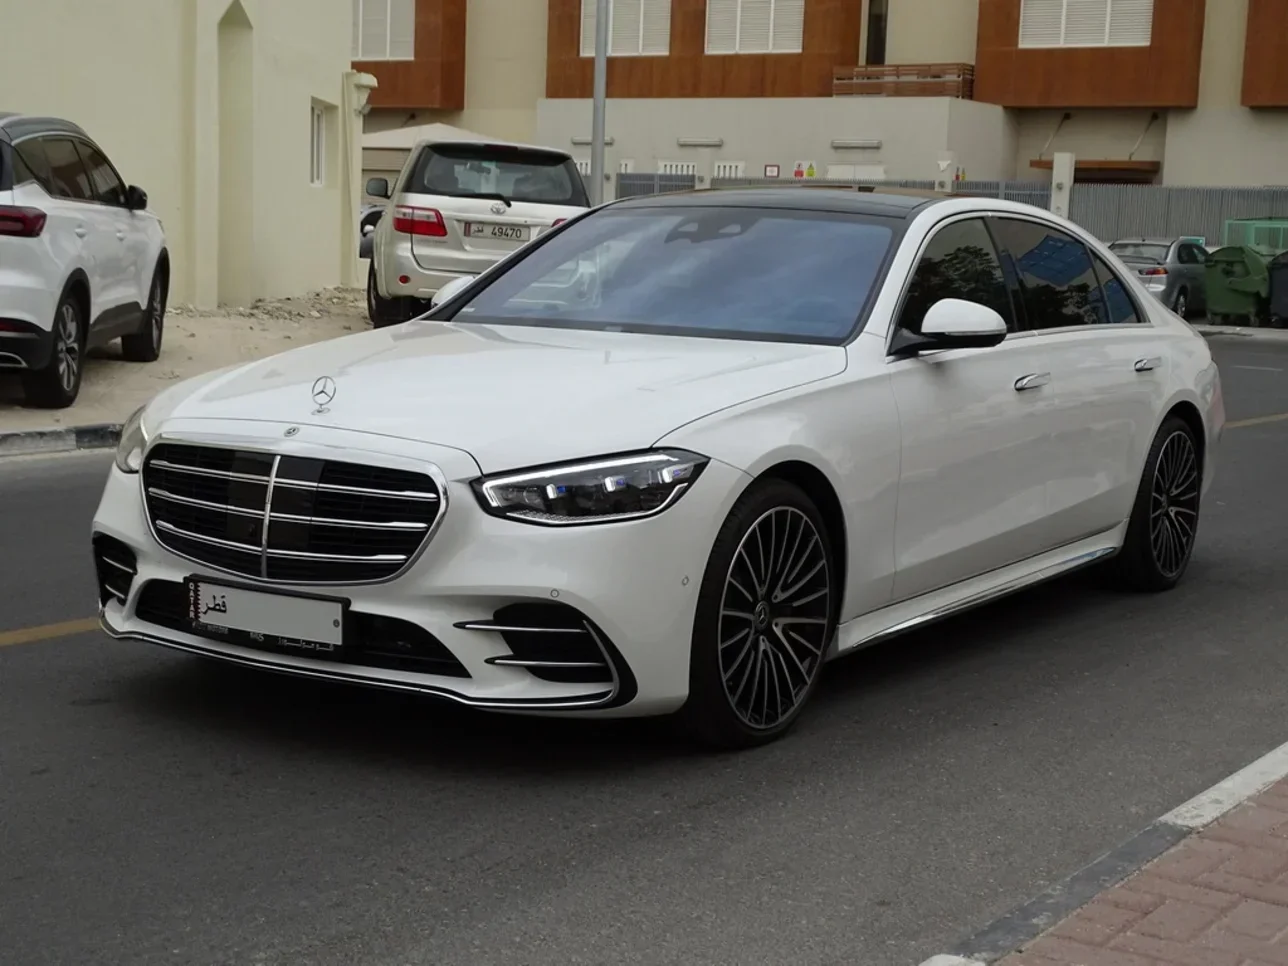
498, 208
323, 392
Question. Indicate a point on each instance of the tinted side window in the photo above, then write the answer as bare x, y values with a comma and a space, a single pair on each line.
107, 185
31, 156
960, 262
1121, 309
1185, 255
67, 171
1057, 281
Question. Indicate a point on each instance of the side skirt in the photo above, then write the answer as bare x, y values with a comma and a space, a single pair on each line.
909, 615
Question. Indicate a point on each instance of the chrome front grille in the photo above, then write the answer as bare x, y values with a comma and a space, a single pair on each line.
289, 518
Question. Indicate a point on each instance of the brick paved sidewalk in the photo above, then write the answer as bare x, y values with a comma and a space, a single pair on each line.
1219, 898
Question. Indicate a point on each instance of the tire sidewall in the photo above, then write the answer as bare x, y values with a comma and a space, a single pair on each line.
1137, 559
707, 708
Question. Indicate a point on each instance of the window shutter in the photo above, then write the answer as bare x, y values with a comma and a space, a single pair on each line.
624, 28
788, 35
1131, 23
754, 25
722, 26
375, 29
655, 27
402, 29
1041, 23
588, 28
1086, 22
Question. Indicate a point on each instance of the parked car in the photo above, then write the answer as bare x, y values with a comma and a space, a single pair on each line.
674, 455
82, 260
368, 218
458, 207
1172, 269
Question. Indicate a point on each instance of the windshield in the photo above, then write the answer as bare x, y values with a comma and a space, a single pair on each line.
750, 273
1142, 250
497, 171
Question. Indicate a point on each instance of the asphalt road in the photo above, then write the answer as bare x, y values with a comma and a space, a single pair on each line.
160, 809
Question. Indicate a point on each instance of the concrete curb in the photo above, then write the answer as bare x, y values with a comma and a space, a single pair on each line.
1025, 923
36, 441
1242, 332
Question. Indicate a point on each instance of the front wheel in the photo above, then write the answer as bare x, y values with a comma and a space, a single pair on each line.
1165, 517
145, 345
765, 617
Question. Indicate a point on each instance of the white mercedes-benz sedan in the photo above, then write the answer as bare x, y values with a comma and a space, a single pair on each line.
673, 456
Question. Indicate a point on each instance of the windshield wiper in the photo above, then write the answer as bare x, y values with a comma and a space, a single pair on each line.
494, 195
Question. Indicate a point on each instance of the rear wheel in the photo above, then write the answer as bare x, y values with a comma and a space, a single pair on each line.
765, 618
1165, 518
383, 311
57, 385
1181, 305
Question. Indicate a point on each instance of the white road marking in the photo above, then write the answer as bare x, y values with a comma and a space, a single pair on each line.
951, 961
1206, 807
1258, 368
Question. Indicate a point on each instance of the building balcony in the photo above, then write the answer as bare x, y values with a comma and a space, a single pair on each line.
905, 80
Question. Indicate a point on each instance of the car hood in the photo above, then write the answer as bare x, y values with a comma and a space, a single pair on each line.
511, 396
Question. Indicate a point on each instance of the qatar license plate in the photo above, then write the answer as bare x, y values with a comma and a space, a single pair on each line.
282, 620
477, 229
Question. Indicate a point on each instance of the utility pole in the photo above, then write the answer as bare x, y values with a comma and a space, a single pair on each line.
600, 96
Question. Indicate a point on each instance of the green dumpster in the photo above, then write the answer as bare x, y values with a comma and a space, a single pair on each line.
1238, 284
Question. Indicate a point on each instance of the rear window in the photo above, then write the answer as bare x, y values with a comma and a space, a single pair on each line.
734, 273
1141, 250
497, 171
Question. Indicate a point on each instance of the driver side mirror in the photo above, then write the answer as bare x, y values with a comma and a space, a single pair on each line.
952, 324
450, 290
136, 199
378, 187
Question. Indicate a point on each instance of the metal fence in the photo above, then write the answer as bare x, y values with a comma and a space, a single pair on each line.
635, 185
1112, 211
1108, 211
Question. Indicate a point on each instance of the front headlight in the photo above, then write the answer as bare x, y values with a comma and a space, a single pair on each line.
129, 451
594, 491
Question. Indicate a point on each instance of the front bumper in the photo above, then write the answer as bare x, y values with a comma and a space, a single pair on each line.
636, 584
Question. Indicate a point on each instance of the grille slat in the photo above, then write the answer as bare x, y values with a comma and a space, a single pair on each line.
287, 518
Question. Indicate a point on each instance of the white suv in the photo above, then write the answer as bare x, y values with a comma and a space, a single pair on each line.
457, 208
82, 262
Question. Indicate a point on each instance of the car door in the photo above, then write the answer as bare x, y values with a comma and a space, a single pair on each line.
131, 233
93, 224
976, 427
1107, 370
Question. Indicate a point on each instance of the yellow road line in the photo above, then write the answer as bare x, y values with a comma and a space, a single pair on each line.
1257, 421
30, 635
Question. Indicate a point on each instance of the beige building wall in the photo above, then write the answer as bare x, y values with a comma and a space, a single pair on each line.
206, 105
1221, 142
505, 74
914, 133
1097, 134
931, 31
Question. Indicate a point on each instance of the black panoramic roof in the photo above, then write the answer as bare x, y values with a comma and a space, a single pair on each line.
798, 198
13, 127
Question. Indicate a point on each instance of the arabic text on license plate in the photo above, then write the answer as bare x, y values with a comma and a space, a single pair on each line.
292, 619
502, 232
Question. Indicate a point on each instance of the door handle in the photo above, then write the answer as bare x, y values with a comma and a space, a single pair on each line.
1146, 365
81, 232
1033, 380
120, 236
